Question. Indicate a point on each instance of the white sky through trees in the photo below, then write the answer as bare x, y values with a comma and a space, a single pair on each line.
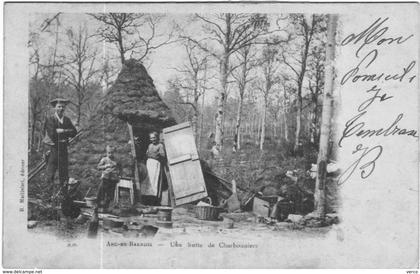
161, 63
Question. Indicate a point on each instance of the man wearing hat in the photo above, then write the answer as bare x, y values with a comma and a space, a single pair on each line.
58, 129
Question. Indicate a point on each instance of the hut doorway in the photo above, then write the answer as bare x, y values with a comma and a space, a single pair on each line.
141, 137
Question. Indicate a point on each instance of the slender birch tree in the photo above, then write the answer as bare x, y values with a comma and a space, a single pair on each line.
326, 122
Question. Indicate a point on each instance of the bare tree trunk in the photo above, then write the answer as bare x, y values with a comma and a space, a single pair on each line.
280, 125
195, 125
257, 136
238, 123
263, 125
224, 67
257, 127
253, 126
195, 114
315, 122
121, 47
298, 121
311, 128
320, 200
286, 127
33, 128
241, 131
79, 113
201, 122
274, 130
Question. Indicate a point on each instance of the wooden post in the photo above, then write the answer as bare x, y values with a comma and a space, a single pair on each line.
136, 167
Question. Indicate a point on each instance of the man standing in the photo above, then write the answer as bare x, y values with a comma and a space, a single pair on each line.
58, 129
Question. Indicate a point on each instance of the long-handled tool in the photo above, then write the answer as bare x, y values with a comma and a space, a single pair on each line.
32, 173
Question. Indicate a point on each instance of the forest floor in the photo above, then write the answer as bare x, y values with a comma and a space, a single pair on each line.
245, 225
251, 168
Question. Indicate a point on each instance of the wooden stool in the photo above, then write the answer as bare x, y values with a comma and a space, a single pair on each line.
127, 184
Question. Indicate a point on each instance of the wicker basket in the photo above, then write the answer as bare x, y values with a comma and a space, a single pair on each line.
208, 213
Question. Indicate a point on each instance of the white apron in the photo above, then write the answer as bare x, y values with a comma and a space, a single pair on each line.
150, 184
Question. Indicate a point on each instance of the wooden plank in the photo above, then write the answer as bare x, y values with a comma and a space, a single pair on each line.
176, 127
180, 159
187, 178
136, 168
185, 170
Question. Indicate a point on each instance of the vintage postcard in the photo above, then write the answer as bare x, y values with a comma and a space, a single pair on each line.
211, 135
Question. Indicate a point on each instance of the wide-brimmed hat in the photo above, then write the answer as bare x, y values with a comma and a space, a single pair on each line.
59, 100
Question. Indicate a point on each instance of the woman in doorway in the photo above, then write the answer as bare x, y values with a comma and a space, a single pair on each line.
155, 150
155, 158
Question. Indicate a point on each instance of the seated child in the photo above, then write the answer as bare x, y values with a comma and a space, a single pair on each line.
111, 170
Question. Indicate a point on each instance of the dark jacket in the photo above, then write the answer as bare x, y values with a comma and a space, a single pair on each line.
51, 126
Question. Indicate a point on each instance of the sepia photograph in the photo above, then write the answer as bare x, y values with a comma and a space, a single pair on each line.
224, 133
268, 135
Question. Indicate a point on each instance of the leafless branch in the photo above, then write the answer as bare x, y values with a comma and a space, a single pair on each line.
47, 22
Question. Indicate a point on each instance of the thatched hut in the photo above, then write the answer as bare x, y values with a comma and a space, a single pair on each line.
132, 100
